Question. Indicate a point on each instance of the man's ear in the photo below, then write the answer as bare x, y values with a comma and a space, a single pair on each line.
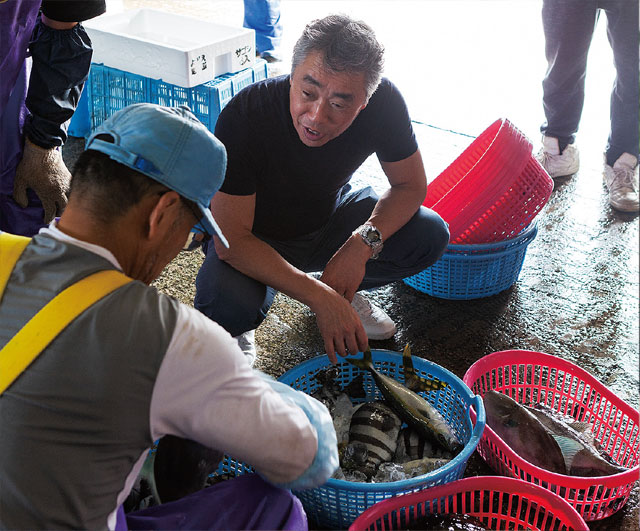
163, 214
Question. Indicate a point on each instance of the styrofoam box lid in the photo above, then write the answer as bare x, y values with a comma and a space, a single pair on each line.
178, 49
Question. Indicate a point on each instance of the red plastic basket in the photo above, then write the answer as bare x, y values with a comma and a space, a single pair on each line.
493, 190
498, 502
534, 377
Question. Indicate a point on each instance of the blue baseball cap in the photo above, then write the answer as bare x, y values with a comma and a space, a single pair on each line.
171, 146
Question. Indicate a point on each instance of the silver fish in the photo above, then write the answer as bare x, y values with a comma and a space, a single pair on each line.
411, 407
423, 466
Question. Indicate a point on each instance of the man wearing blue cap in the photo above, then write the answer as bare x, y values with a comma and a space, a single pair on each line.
95, 365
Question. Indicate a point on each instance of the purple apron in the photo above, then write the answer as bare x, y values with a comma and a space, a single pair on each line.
17, 20
245, 502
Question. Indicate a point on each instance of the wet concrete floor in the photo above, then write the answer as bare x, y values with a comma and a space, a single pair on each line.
461, 65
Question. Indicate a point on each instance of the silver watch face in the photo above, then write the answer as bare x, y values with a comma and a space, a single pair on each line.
372, 235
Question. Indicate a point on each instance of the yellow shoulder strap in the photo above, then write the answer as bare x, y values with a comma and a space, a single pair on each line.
11, 247
43, 327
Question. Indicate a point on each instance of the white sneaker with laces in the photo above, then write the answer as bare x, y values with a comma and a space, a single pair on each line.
247, 343
377, 324
622, 182
558, 165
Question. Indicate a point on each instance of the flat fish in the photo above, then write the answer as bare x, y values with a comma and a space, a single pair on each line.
523, 432
581, 459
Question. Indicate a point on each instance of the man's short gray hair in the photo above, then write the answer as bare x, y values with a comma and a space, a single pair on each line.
347, 45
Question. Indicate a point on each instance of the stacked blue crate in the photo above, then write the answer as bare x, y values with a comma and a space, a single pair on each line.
108, 90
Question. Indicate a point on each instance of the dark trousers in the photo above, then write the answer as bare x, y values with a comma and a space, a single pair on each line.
568, 28
239, 303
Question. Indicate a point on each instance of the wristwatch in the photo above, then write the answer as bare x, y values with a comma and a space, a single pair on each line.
372, 237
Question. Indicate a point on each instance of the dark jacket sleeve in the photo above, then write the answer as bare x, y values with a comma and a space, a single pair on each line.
73, 10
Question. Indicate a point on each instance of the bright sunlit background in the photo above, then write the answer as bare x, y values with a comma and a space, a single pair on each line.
460, 64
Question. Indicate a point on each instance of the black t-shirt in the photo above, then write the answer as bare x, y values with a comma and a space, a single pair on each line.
297, 187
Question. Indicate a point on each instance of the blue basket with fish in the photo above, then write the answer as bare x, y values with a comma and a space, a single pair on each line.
475, 271
337, 503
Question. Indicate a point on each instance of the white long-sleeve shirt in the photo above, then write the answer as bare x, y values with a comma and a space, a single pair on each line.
206, 391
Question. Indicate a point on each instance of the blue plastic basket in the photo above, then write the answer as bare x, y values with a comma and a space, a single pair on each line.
475, 271
337, 503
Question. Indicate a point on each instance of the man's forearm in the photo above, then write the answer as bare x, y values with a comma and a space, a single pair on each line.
395, 208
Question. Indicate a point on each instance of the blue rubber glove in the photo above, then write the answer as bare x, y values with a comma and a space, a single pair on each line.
326, 460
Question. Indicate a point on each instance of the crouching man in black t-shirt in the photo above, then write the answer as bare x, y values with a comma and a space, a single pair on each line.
287, 207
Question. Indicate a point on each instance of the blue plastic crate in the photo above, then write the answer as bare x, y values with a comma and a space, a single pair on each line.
260, 70
337, 503
240, 80
475, 271
108, 90
80, 124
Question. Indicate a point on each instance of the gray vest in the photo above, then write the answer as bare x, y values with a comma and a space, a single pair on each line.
74, 423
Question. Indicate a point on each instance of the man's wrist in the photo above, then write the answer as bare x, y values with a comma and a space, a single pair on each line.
364, 250
371, 237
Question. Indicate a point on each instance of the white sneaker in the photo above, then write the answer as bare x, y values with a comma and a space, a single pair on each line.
558, 165
622, 182
377, 324
247, 343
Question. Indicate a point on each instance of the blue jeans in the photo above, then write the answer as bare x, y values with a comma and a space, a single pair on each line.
568, 28
240, 303
263, 16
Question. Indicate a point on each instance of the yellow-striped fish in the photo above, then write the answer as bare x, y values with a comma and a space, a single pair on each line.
412, 380
411, 407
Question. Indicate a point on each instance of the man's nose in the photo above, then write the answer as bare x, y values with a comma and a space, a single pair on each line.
318, 111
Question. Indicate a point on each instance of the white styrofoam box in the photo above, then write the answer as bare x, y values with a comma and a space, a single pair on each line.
180, 50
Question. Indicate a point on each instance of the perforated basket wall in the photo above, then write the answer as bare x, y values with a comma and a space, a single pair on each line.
498, 502
534, 377
475, 271
337, 503
493, 190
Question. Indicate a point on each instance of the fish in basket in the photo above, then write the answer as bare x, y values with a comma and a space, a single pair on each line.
369, 449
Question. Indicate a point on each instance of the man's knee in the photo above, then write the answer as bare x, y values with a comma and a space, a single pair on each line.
227, 296
424, 238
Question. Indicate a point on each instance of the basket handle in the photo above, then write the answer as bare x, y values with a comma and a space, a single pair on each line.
480, 417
